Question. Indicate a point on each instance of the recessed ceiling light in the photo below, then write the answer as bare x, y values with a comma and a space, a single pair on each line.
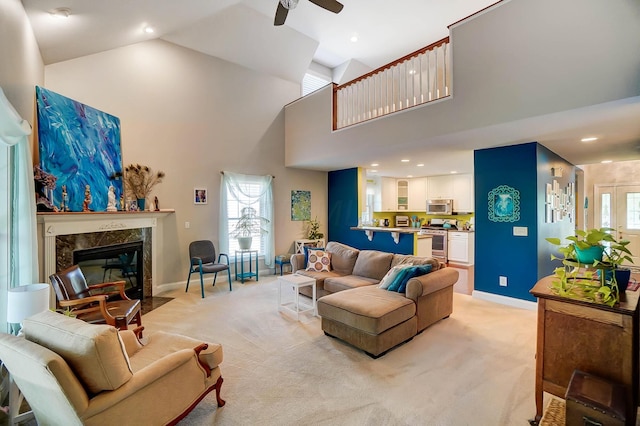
588, 139
148, 29
354, 38
60, 12
606, 161
420, 165
373, 171
409, 176
374, 164
404, 160
453, 172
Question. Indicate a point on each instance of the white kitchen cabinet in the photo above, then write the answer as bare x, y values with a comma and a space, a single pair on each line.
460, 247
463, 193
388, 195
439, 187
402, 188
417, 194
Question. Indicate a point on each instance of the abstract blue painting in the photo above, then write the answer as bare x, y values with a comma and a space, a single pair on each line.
80, 146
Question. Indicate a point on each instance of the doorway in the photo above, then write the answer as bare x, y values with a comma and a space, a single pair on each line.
618, 207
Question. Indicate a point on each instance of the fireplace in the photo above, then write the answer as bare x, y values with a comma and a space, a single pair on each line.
115, 262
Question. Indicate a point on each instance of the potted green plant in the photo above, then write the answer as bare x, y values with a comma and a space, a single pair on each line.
581, 275
614, 256
248, 225
313, 230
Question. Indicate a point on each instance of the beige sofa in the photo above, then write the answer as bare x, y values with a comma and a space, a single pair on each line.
354, 309
75, 373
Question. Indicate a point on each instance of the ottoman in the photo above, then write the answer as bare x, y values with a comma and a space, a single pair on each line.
369, 318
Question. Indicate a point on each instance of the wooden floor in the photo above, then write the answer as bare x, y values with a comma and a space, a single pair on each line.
465, 281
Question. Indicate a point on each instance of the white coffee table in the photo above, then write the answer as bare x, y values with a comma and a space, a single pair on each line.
297, 281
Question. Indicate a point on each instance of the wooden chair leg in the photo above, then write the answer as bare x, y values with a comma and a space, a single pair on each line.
220, 401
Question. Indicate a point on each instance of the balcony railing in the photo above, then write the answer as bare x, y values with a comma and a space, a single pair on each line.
420, 77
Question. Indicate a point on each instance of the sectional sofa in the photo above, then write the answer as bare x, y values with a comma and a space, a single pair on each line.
355, 309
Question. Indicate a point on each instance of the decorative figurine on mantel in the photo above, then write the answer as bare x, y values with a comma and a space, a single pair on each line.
87, 198
111, 199
122, 202
64, 204
156, 204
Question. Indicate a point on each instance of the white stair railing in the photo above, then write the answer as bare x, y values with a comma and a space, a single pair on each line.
420, 77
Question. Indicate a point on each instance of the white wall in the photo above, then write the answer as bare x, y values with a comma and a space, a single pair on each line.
522, 59
192, 116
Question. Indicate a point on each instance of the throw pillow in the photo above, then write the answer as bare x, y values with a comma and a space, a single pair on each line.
386, 281
307, 250
319, 261
416, 271
395, 284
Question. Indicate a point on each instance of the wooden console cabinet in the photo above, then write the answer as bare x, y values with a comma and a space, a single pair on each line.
594, 338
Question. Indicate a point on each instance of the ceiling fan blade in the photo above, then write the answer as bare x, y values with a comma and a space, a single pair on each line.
330, 5
281, 14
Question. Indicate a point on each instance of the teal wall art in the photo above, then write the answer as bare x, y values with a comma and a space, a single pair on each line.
300, 205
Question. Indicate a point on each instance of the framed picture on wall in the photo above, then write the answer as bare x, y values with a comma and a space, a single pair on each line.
200, 196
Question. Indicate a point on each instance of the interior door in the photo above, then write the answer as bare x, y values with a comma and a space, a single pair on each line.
618, 207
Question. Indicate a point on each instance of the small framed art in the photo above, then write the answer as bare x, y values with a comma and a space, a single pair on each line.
200, 196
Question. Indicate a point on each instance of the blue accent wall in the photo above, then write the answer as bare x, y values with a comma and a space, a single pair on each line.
523, 260
343, 214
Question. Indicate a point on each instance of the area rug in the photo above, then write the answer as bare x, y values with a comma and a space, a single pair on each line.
553, 414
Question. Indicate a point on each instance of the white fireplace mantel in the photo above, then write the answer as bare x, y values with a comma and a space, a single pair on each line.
54, 224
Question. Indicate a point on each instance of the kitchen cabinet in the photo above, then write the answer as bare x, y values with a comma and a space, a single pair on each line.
439, 187
460, 247
387, 195
402, 188
417, 194
459, 188
463, 193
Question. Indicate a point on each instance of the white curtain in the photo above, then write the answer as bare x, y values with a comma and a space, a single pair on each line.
238, 185
18, 213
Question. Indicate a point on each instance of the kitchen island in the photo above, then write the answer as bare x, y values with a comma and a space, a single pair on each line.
421, 243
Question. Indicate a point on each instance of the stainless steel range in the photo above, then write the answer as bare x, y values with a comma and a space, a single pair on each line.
437, 228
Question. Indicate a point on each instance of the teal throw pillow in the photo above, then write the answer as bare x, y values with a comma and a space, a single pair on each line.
391, 275
395, 283
417, 271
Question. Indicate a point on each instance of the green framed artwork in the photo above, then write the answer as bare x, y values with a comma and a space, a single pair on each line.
300, 205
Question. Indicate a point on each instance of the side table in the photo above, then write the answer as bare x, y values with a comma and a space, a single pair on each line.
296, 281
242, 275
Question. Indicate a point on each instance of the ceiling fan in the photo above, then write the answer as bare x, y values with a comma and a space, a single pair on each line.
284, 6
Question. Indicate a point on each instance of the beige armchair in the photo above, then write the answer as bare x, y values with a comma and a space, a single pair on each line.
75, 373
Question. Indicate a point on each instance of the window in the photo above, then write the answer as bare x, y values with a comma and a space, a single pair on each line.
312, 82
237, 192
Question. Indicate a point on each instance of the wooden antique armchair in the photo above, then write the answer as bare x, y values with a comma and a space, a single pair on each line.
95, 303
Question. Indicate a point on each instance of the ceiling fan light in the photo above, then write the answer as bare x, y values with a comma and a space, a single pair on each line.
289, 4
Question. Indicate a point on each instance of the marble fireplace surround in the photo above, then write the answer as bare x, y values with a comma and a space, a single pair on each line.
53, 225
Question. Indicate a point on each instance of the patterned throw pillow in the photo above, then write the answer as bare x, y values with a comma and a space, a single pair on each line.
319, 261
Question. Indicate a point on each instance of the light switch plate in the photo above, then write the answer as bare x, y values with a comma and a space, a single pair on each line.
520, 231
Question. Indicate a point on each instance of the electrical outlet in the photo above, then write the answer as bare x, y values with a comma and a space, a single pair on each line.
187, 225
503, 281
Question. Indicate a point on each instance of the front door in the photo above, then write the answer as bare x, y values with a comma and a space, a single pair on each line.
618, 207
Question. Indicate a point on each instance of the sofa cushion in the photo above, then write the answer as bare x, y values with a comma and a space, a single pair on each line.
319, 260
318, 276
346, 282
343, 257
372, 264
392, 274
402, 259
367, 308
94, 352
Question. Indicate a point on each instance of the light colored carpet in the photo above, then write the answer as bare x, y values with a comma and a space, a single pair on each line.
475, 368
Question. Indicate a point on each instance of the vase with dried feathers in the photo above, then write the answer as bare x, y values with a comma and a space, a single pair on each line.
139, 180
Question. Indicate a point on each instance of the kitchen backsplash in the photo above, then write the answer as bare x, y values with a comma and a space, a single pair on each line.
461, 218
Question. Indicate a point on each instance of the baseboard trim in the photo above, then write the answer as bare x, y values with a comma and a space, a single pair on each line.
195, 280
504, 300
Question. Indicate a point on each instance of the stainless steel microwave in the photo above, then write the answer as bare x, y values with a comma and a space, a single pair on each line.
439, 206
